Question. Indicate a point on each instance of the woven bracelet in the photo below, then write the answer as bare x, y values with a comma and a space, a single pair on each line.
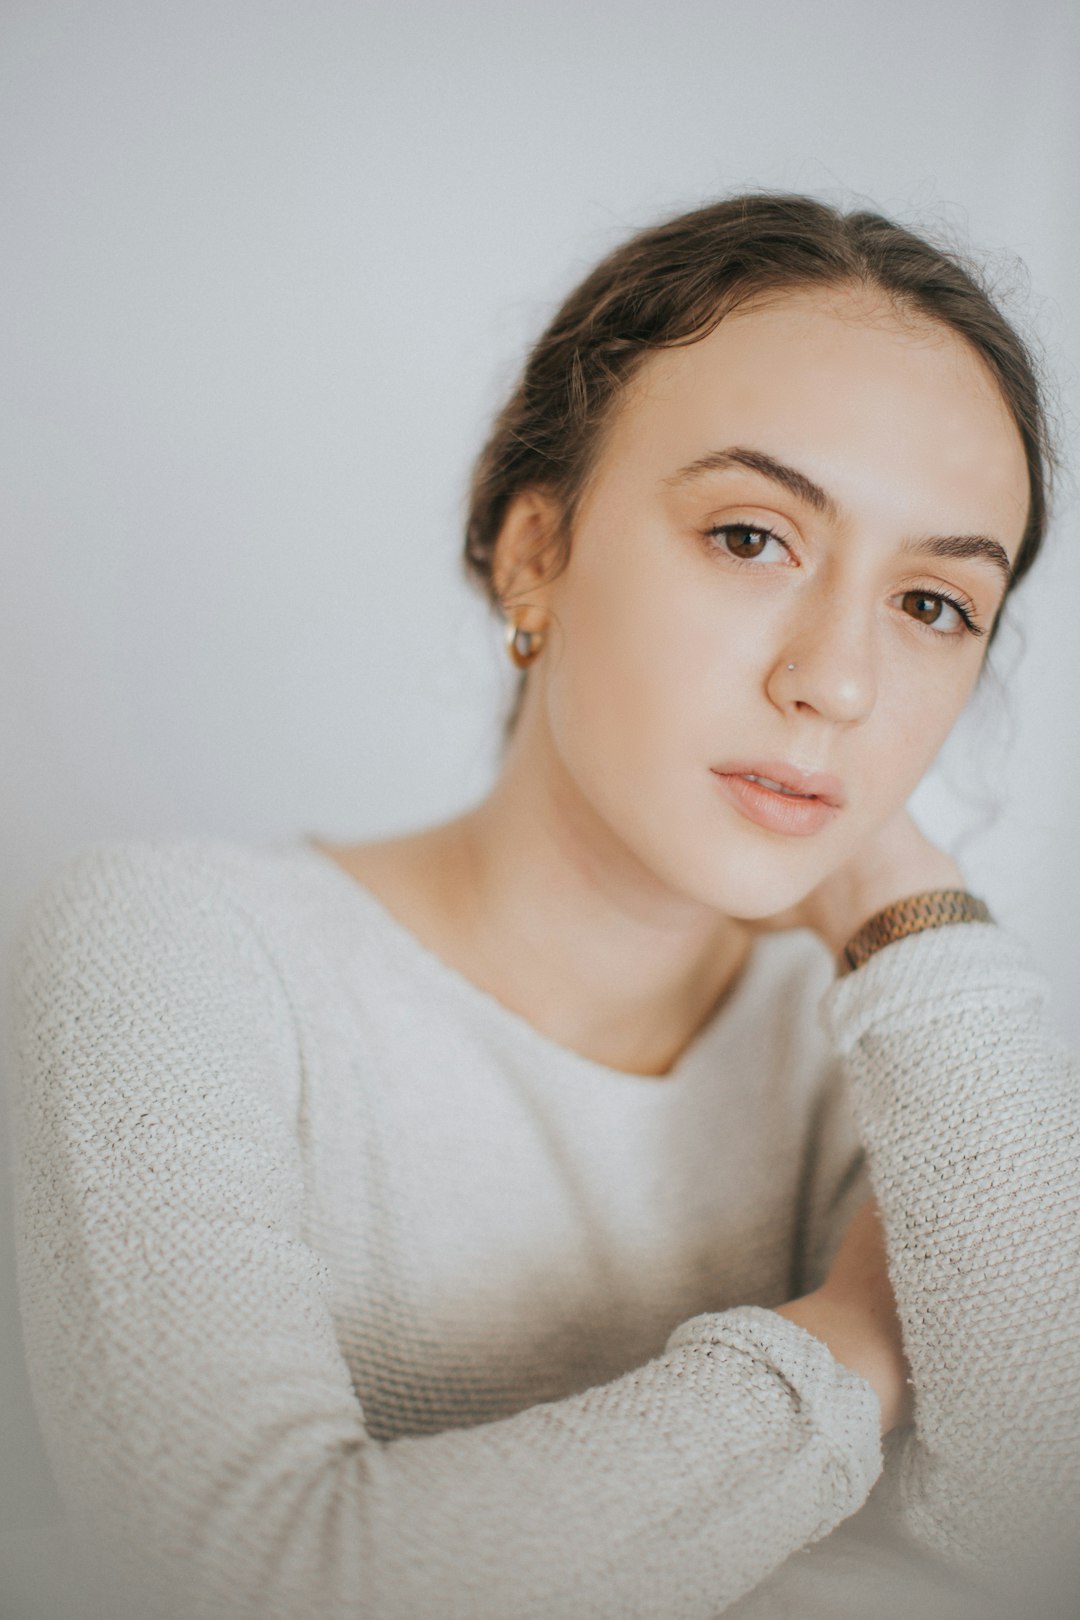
935, 909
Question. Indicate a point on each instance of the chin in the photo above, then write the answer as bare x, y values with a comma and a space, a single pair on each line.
751, 889
740, 872
747, 907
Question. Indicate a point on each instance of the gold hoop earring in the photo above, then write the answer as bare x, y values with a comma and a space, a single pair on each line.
523, 645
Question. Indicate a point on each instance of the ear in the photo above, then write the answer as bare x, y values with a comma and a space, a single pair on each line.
526, 550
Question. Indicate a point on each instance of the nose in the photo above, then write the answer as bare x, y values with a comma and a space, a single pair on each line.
835, 658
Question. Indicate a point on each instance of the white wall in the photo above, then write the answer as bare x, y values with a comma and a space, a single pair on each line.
266, 271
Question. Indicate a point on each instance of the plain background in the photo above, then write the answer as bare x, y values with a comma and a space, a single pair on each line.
267, 271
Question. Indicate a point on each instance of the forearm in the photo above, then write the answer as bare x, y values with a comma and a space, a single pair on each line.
203, 1425
859, 1343
969, 1108
673, 1490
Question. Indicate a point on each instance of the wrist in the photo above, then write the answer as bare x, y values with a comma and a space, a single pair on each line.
873, 894
937, 908
856, 1339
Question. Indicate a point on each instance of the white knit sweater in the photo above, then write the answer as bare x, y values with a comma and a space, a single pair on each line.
348, 1295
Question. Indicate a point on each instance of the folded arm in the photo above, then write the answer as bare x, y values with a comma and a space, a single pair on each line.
201, 1421
968, 1105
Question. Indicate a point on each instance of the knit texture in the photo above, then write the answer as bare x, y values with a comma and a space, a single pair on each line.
345, 1292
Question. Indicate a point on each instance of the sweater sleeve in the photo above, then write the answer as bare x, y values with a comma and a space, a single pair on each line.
969, 1108
201, 1422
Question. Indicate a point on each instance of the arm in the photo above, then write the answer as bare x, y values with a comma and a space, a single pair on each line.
968, 1107
854, 1313
201, 1421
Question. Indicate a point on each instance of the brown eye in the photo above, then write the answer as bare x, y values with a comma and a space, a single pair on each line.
739, 540
946, 618
923, 607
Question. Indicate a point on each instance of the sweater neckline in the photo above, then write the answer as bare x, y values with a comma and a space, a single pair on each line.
513, 1026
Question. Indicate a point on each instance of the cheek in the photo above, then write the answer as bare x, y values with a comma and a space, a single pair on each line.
606, 694
918, 704
652, 666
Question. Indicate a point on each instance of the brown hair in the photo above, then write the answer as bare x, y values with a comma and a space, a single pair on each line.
671, 285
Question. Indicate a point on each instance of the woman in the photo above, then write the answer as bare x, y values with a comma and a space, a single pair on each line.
580, 1207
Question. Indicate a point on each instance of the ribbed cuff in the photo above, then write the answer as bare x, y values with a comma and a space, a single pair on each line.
839, 1404
928, 975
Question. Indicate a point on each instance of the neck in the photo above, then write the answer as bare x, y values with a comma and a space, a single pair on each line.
565, 925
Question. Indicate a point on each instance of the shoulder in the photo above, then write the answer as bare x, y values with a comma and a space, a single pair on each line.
141, 969
114, 888
168, 922
112, 880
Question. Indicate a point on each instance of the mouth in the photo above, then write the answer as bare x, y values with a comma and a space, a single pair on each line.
779, 777
781, 797
777, 787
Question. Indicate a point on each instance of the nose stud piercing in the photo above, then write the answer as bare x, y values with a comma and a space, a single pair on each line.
791, 666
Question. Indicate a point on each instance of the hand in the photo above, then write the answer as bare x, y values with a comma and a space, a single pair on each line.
854, 1313
898, 861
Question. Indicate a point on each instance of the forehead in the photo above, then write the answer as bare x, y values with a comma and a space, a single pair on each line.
894, 415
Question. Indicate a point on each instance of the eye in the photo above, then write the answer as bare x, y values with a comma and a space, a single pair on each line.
742, 541
941, 614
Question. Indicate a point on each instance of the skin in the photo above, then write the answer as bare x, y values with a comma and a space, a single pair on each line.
606, 889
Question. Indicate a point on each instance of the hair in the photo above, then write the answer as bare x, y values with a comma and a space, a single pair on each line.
671, 285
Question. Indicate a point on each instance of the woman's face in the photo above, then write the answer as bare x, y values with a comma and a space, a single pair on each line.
765, 497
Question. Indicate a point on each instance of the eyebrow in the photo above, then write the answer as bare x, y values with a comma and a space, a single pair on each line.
757, 461
978, 547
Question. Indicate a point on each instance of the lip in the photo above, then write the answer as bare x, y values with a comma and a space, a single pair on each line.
778, 812
814, 784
